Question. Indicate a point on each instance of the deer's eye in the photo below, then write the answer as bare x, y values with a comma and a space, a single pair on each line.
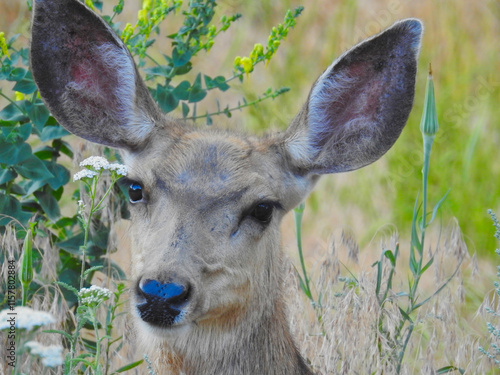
263, 212
135, 192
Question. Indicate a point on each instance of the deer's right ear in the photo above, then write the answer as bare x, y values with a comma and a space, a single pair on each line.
87, 77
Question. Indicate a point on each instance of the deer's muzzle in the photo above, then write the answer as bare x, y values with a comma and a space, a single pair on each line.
161, 304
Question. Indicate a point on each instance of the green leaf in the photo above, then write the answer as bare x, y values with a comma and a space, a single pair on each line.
12, 154
220, 82
183, 69
429, 263
166, 99
7, 175
180, 58
67, 287
405, 315
72, 244
17, 74
129, 366
33, 168
181, 92
10, 208
389, 255
437, 206
209, 82
25, 86
49, 205
379, 277
197, 93
24, 131
415, 242
65, 148
70, 276
53, 132
91, 269
161, 71
413, 262
38, 114
65, 334
448, 369
58, 193
60, 173
44, 152
17, 189
185, 110
31, 186
12, 112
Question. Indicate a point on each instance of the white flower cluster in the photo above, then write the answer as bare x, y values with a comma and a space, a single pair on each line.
84, 173
120, 169
94, 295
51, 355
25, 318
95, 164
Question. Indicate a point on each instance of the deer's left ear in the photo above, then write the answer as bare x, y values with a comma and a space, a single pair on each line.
358, 107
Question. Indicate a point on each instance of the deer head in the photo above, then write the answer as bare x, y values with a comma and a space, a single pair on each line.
206, 205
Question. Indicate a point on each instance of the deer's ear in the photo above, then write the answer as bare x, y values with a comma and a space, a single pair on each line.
358, 107
87, 77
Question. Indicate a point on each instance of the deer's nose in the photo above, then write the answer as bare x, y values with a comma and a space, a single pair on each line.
160, 303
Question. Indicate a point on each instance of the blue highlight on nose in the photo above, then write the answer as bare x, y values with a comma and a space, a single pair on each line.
165, 291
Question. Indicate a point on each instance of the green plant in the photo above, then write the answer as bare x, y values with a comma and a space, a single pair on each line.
400, 338
96, 357
384, 288
94, 168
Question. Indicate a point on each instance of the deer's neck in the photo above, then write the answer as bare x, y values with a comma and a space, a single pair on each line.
264, 347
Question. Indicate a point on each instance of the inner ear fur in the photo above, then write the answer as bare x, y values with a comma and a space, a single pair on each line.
358, 107
87, 77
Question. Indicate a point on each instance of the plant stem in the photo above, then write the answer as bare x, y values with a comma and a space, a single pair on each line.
97, 340
13, 102
298, 212
241, 106
428, 140
87, 227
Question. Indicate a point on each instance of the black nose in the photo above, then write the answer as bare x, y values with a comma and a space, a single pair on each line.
161, 304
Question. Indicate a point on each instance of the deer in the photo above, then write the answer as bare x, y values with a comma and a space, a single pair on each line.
207, 269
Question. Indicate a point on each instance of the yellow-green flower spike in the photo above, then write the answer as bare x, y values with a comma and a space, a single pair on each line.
3, 45
90, 4
247, 65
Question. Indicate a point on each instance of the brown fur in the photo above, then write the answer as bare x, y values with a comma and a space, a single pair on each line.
195, 225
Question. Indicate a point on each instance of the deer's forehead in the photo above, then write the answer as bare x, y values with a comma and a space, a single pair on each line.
214, 164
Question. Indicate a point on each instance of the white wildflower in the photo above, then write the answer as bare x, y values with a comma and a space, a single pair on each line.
96, 162
51, 355
94, 295
84, 173
25, 318
120, 169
